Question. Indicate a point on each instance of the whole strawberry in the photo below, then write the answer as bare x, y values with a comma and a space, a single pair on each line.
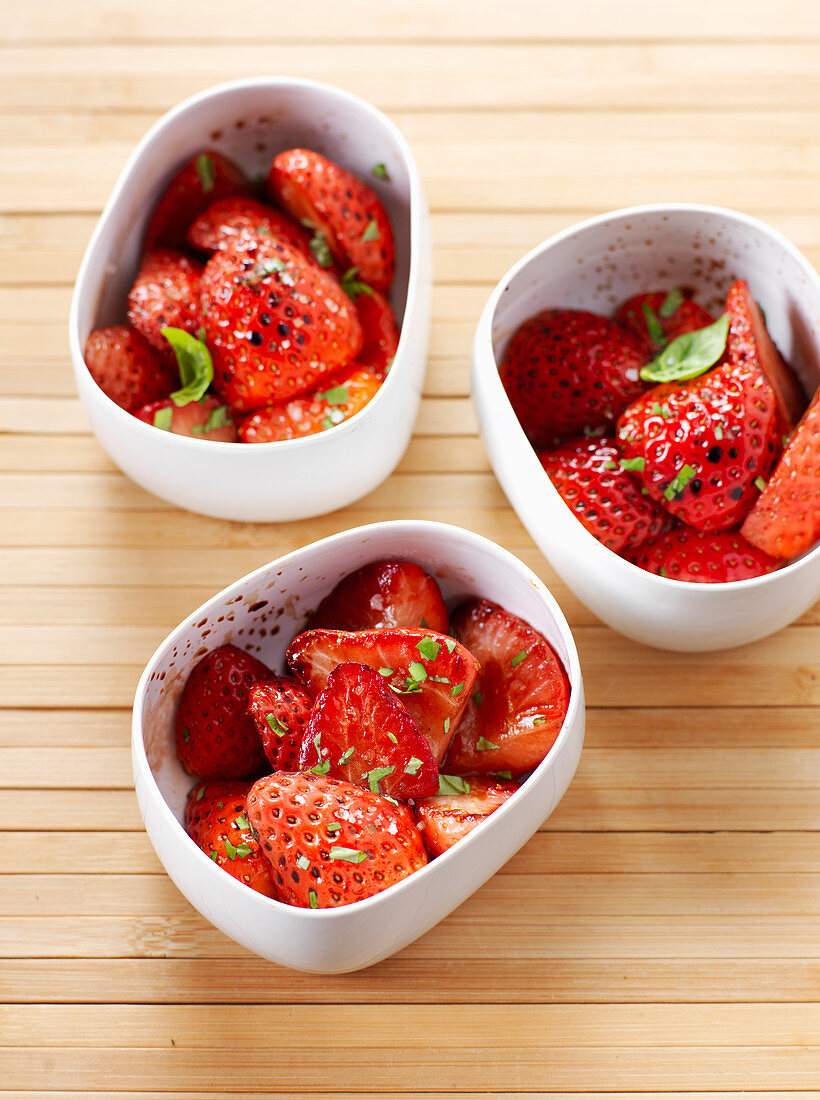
713, 557
330, 843
127, 368
661, 316
595, 485
165, 294
567, 372
280, 709
275, 324
215, 737
458, 808
200, 182
215, 820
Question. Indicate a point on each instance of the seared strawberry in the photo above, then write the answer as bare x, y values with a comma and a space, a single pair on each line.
384, 593
127, 368
275, 323
280, 708
238, 223
595, 486
521, 694
209, 418
381, 334
340, 397
713, 557
165, 294
216, 739
432, 674
447, 818
785, 518
568, 371
361, 732
203, 180
329, 843
340, 207
661, 316
215, 820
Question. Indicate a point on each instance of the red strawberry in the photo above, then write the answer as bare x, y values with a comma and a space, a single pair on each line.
341, 397
194, 188
432, 674
280, 708
567, 371
659, 317
330, 843
602, 495
447, 818
381, 334
165, 294
384, 593
521, 694
209, 418
215, 820
238, 223
708, 558
275, 323
359, 731
215, 737
336, 204
785, 518
127, 368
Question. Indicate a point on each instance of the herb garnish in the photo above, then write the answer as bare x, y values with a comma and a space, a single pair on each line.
196, 368
692, 354
371, 231
349, 855
452, 784
519, 657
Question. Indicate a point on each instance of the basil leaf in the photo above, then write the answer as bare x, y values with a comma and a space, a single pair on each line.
452, 784
483, 745
429, 648
321, 250
371, 232
690, 355
196, 368
379, 171
163, 418
375, 775
352, 286
671, 304
653, 325
349, 855
207, 173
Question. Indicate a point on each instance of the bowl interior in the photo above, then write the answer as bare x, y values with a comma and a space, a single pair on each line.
702, 250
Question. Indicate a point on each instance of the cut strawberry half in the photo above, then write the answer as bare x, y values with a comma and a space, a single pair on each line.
239, 223
360, 731
203, 180
520, 699
215, 820
712, 557
381, 594
659, 317
447, 818
381, 334
280, 709
127, 367
209, 419
432, 674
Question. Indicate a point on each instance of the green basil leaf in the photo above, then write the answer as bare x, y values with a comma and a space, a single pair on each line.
371, 232
653, 325
349, 855
163, 418
320, 249
206, 172
690, 355
452, 784
483, 745
671, 304
429, 648
379, 171
375, 775
196, 368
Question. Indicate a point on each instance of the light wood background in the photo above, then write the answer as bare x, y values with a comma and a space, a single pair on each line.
661, 934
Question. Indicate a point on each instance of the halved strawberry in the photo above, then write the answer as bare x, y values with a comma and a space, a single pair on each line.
785, 518
329, 843
127, 368
215, 820
381, 333
209, 418
165, 294
341, 207
661, 316
361, 732
712, 557
238, 223
432, 674
280, 708
340, 398
447, 818
521, 694
203, 180
384, 593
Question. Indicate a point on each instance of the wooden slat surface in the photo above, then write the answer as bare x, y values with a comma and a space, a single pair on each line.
658, 937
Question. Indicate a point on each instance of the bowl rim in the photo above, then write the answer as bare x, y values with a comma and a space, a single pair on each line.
409, 527
215, 91
484, 333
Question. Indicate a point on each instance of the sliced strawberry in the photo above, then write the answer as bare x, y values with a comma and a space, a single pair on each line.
165, 294
238, 223
215, 820
329, 843
337, 204
215, 737
714, 557
659, 317
280, 708
340, 398
432, 674
520, 699
203, 180
361, 732
381, 333
209, 418
384, 593
447, 818
127, 368
602, 494
785, 518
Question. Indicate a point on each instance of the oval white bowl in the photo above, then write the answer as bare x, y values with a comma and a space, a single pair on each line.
597, 265
262, 612
250, 121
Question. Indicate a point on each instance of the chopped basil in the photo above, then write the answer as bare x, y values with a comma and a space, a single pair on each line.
319, 248
346, 755
718, 431
671, 304
633, 463
679, 483
303, 863
653, 325
417, 671
690, 355
393, 737
206, 172
352, 286
660, 410
200, 793
450, 643
386, 671
504, 775
243, 851
186, 735
241, 822
276, 724
313, 900
379, 171
214, 856
412, 766
429, 648
439, 679
539, 721
163, 418
483, 745
334, 827
456, 689
349, 855
760, 483
452, 784
477, 698
662, 572
375, 775
446, 725
371, 231
229, 848
610, 465
519, 657
218, 419
334, 417
320, 769
337, 396
196, 368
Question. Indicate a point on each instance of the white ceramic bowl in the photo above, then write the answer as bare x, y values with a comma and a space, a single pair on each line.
250, 121
597, 265
262, 612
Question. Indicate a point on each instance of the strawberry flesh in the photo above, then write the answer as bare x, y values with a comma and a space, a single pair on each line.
215, 820
204, 179
384, 594
209, 419
713, 557
280, 708
381, 333
447, 818
127, 368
